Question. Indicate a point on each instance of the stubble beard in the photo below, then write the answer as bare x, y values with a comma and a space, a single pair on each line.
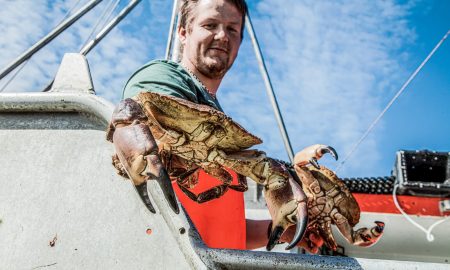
215, 70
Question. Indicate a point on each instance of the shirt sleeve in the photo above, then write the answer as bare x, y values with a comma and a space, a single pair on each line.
161, 77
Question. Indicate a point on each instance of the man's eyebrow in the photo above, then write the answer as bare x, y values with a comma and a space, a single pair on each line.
237, 23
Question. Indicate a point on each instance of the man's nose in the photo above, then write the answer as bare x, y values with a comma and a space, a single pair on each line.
221, 34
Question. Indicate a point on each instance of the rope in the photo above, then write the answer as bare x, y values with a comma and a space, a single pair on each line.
110, 7
430, 237
413, 75
68, 13
13, 76
26, 62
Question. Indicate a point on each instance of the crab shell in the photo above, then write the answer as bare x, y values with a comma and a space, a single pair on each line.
184, 117
338, 197
348, 206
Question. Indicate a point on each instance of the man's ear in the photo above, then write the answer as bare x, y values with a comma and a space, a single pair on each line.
182, 34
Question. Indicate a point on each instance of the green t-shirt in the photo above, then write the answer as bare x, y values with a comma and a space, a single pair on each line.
170, 78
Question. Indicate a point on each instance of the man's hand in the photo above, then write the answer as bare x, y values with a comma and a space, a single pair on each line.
311, 241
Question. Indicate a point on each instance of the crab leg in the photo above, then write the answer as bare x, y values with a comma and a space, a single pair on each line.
285, 198
137, 150
363, 237
312, 153
326, 233
242, 184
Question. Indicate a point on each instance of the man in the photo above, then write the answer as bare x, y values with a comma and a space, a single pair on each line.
210, 32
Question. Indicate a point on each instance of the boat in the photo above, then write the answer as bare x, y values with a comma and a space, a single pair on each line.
63, 206
413, 202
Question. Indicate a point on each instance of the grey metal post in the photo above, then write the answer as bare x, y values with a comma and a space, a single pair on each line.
269, 88
89, 46
172, 31
176, 49
123, 13
49, 37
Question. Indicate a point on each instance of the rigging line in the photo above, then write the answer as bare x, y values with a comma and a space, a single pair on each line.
14, 75
413, 75
27, 60
68, 12
91, 44
122, 14
48, 38
109, 8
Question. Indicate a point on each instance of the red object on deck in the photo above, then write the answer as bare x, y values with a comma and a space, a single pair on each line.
220, 222
412, 205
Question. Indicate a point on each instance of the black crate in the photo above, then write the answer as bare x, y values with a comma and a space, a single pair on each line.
423, 172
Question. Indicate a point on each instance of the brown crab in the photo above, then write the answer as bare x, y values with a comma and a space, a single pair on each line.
330, 202
192, 136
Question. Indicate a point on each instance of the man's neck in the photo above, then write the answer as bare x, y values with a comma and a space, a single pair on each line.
212, 85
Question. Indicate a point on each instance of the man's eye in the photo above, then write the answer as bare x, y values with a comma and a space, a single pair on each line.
210, 26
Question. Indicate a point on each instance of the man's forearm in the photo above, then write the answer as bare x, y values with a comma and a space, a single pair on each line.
257, 236
256, 233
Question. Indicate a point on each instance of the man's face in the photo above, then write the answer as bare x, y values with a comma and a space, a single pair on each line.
212, 38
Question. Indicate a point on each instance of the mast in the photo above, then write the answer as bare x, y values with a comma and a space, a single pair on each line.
269, 88
172, 52
49, 37
123, 13
173, 44
91, 44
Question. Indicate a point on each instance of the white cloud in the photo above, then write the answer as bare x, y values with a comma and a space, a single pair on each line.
333, 65
137, 39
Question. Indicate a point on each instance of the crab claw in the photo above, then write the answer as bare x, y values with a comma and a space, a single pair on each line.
330, 150
301, 225
284, 196
312, 153
380, 226
287, 206
314, 162
365, 237
142, 191
166, 186
137, 151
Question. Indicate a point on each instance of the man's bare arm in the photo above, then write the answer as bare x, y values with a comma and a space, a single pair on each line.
257, 236
256, 233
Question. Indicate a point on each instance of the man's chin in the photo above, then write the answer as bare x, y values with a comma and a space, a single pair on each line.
214, 69
216, 62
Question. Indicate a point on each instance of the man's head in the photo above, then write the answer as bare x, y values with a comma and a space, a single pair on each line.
211, 32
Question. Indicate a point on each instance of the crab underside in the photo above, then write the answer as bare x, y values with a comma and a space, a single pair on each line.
157, 136
330, 202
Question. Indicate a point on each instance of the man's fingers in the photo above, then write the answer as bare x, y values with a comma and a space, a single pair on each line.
311, 242
314, 250
314, 242
316, 239
309, 246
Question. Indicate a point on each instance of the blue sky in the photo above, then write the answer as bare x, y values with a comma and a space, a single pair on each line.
334, 66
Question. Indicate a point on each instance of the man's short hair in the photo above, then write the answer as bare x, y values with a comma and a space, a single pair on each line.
188, 5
